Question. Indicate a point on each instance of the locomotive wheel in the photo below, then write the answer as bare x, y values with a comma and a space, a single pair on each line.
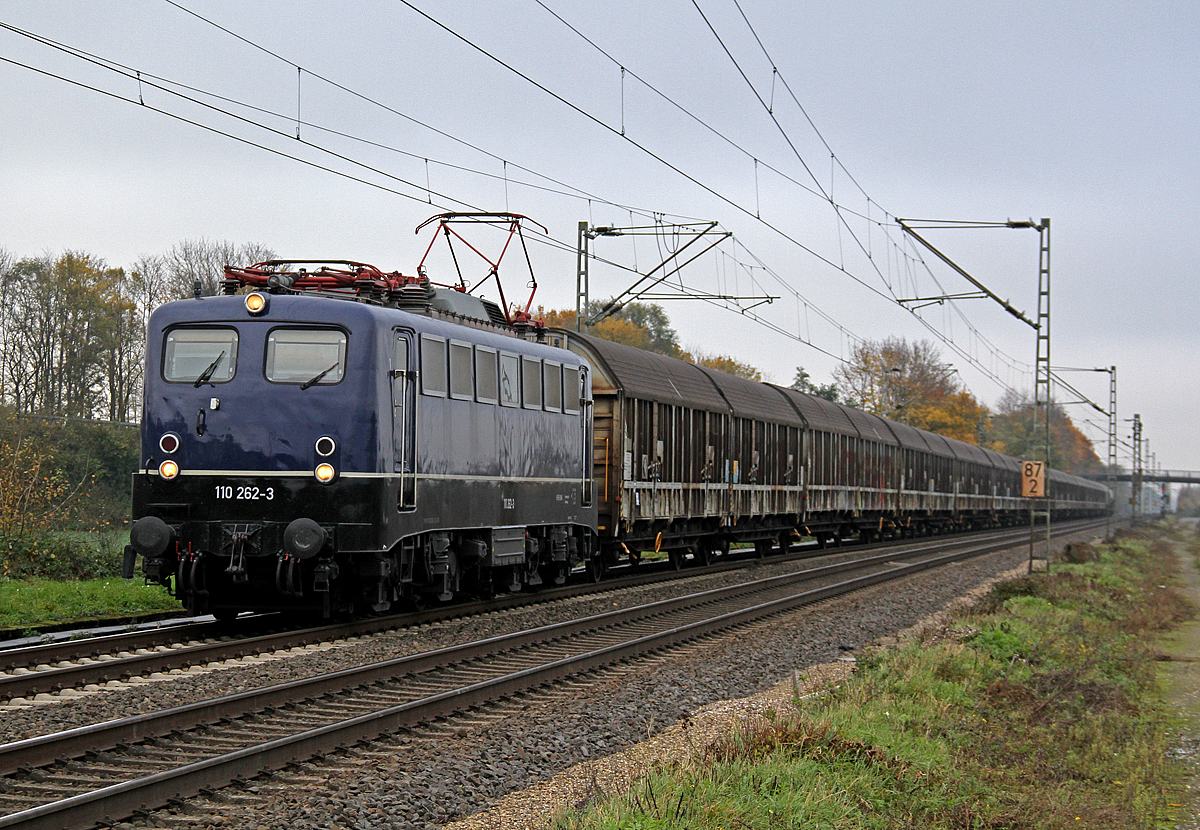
487, 584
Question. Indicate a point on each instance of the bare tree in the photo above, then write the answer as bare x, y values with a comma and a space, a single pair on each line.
907, 382
6, 332
884, 376
203, 261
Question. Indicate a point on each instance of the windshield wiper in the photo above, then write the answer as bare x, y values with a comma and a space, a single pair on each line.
208, 373
309, 383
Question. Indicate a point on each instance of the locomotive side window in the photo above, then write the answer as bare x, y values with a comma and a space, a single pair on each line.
306, 356
571, 390
510, 380
552, 375
462, 382
486, 379
433, 365
531, 382
200, 355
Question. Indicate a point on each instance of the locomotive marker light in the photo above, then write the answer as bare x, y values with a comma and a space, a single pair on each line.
325, 447
168, 469
169, 443
256, 303
324, 473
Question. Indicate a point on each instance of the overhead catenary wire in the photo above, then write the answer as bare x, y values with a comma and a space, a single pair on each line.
425, 191
840, 267
842, 223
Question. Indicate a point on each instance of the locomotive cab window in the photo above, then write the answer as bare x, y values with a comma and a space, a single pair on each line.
200, 355
433, 365
309, 357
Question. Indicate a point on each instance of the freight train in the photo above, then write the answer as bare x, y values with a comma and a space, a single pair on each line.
340, 440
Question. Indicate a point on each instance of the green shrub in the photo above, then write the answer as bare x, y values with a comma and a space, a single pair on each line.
64, 556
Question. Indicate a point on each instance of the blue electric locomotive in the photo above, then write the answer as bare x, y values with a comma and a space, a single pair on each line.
335, 455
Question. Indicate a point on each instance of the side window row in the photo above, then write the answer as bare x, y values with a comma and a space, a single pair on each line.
463, 371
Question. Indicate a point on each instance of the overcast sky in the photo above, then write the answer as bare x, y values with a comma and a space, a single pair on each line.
1085, 113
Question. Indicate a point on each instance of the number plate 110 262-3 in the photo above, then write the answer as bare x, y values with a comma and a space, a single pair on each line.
239, 492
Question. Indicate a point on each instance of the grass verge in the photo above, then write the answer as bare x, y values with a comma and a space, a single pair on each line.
1037, 709
66, 577
30, 603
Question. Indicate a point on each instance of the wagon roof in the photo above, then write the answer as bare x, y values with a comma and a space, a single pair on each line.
649, 376
820, 414
751, 399
872, 427
1002, 462
971, 452
909, 436
938, 444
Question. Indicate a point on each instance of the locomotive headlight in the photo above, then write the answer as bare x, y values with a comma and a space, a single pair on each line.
168, 469
169, 443
256, 303
323, 472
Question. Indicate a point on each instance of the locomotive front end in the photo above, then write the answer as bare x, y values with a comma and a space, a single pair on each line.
259, 455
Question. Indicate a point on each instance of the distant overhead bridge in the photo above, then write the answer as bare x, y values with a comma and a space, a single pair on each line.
1171, 476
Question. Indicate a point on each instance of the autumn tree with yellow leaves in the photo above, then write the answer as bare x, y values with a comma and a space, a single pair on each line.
1012, 433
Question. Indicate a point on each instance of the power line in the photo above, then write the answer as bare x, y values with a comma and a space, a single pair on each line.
843, 223
673, 167
426, 189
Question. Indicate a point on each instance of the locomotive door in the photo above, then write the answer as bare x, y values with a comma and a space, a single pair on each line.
585, 404
404, 417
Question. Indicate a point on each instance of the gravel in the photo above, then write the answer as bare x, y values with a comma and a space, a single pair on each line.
450, 770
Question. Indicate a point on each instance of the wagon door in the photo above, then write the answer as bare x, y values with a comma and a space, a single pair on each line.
404, 415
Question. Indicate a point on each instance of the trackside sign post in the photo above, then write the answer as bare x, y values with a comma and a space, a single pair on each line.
1033, 479
1033, 487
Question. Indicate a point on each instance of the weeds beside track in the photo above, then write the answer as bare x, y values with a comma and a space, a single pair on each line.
1039, 708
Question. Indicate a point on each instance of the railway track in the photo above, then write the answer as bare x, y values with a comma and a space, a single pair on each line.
124, 766
51, 667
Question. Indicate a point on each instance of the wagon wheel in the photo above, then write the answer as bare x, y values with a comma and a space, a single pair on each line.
676, 556
785, 542
597, 567
703, 552
762, 548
